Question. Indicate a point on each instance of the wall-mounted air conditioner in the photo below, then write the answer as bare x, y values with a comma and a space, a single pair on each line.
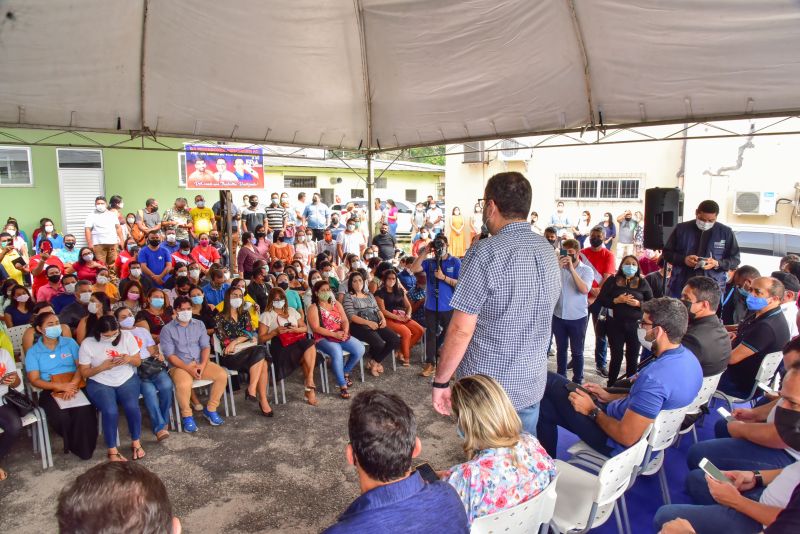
755, 203
473, 152
511, 150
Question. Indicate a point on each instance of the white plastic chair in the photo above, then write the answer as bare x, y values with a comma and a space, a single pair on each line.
533, 515
15, 334
217, 351
769, 365
590, 498
707, 389
41, 434
196, 384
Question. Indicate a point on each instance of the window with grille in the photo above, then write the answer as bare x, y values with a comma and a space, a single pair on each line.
381, 183
299, 182
411, 195
357, 193
15, 166
600, 187
70, 158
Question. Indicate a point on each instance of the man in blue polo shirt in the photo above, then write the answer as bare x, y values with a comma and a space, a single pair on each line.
442, 275
383, 441
215, 290
155, 259
619, 420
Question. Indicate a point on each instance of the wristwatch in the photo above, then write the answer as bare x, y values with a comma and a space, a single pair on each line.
441, 385
593, 413
759, 478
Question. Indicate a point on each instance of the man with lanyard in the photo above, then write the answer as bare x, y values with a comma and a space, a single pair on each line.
504, 302
702, 247
762, 332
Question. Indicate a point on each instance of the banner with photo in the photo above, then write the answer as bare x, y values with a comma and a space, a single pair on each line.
224, 167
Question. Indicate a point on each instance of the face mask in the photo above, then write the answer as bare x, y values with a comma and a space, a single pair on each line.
157, 303
351, 227
253, 241
358, 265
274, 201
69, 289
181, 273
184, 316
22, 298
595, 241
689, 304
204, 242
628, 218
640, 333
136, 273
131, 220
128, 322
133, 296
283, 285
69, 245
326, 275
553, 242
301, 238
236, 303
743, 292
84, 297
54, 278
53, 332
314, 281
214, 238
756, 303
325, 296
253, 204
703, 225
102, 280
171, 238
787, 423
153, 242
278, 304
100, 208
130, 247
194, 273
48, 228
197, 300
92, 307
259, 235
200, 204
88, 257
629, 270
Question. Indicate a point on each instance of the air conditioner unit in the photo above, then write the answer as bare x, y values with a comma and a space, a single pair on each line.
511, 150
336, 180
473, 152
755, 203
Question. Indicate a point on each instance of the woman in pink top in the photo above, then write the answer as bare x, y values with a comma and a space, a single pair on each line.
391, 217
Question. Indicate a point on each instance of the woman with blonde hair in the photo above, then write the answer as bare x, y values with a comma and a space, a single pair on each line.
505, 466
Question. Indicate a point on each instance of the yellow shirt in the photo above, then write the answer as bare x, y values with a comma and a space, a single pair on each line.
110, 290
251, 311
203, 219
12, 271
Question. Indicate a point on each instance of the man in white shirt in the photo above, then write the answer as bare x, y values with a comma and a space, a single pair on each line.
789, 302
103, 233
435, 219
350, 241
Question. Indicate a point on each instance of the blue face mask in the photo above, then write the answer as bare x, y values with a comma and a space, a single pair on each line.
756, 303
743, 292
197, 300
53, 332
157, 303
629, 270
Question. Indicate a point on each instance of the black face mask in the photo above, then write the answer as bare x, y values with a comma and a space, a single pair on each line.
54, 278
153, 242
283, 285
787, 423
688, 304
69, 246
552, 243
628, 218
595, 241
259, 235
384, 231
253, 204
214, 238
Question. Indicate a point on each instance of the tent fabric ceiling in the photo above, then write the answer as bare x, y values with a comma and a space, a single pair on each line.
438, 71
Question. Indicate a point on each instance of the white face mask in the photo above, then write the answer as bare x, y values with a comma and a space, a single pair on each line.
92, 307
88, 257
100, 208
69, 289
184, 316
703, 225
236, 303
22, 298
278, 304
102, 280
84, 297
127, 323
11, 232
641, 333
136, 273
194, 273
171, 238
48, 228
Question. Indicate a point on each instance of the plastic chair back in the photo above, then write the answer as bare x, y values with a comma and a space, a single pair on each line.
707, 389
523, 518
665, 428
769, 365
15, 333
617, 473
216, 344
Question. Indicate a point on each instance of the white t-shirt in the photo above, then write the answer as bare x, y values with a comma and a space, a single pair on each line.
779, 491
433, 215
95, 352
143, 339
351, 243
103, 226
6, 366
790, 313
270, 319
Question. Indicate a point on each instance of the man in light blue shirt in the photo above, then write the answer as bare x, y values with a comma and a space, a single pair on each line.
317, 216
571, 313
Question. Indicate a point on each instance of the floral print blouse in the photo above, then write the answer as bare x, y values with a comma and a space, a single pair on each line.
490, 482
227, 330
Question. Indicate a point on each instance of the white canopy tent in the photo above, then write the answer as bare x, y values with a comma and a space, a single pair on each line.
382, 74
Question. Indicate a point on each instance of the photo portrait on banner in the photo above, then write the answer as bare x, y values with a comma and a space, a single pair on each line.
224, 167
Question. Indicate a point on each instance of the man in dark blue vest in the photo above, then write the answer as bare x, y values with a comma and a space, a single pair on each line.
701, 247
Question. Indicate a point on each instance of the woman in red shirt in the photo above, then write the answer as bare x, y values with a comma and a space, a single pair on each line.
87, 267
204, 253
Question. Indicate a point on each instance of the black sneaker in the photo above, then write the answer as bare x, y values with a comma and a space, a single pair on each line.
602, 371
570, 364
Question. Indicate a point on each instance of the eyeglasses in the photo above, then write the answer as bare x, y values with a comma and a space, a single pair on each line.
643, 323
482, 202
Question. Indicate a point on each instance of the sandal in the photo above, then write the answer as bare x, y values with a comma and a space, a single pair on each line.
3, 474
311, 395
348, 381
406, 362
116, 457
162, 434
343, 393
374, 368
137, 452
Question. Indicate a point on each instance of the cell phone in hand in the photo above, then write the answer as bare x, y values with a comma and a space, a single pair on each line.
572, 387
725, 414
766, 389
7, 376
427, 473
563, 252
713, 471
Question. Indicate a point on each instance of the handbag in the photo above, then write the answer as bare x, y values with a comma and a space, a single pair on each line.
21, 402
290, 338
63, 378
150, 367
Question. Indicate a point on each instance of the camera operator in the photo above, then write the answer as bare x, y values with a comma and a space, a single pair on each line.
503, 304
442, 274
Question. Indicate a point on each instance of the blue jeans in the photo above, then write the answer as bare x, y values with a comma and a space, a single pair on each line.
706, 516
334, 350
557, 411
572, 332
729, 453
601, 342
529, 417
105, 399
157, 392
393, 229
727, 386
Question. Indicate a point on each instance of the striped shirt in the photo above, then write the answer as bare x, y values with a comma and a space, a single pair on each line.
511, 281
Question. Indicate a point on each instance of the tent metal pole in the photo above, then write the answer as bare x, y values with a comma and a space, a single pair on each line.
142, 65
370, 185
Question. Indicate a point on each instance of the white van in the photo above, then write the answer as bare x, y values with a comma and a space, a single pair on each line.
764, 246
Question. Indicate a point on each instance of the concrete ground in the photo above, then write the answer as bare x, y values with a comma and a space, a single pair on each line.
253, 474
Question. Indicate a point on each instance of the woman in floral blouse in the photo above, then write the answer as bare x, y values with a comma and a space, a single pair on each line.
504, 467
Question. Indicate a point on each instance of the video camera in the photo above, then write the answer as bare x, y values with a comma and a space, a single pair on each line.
439, 246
